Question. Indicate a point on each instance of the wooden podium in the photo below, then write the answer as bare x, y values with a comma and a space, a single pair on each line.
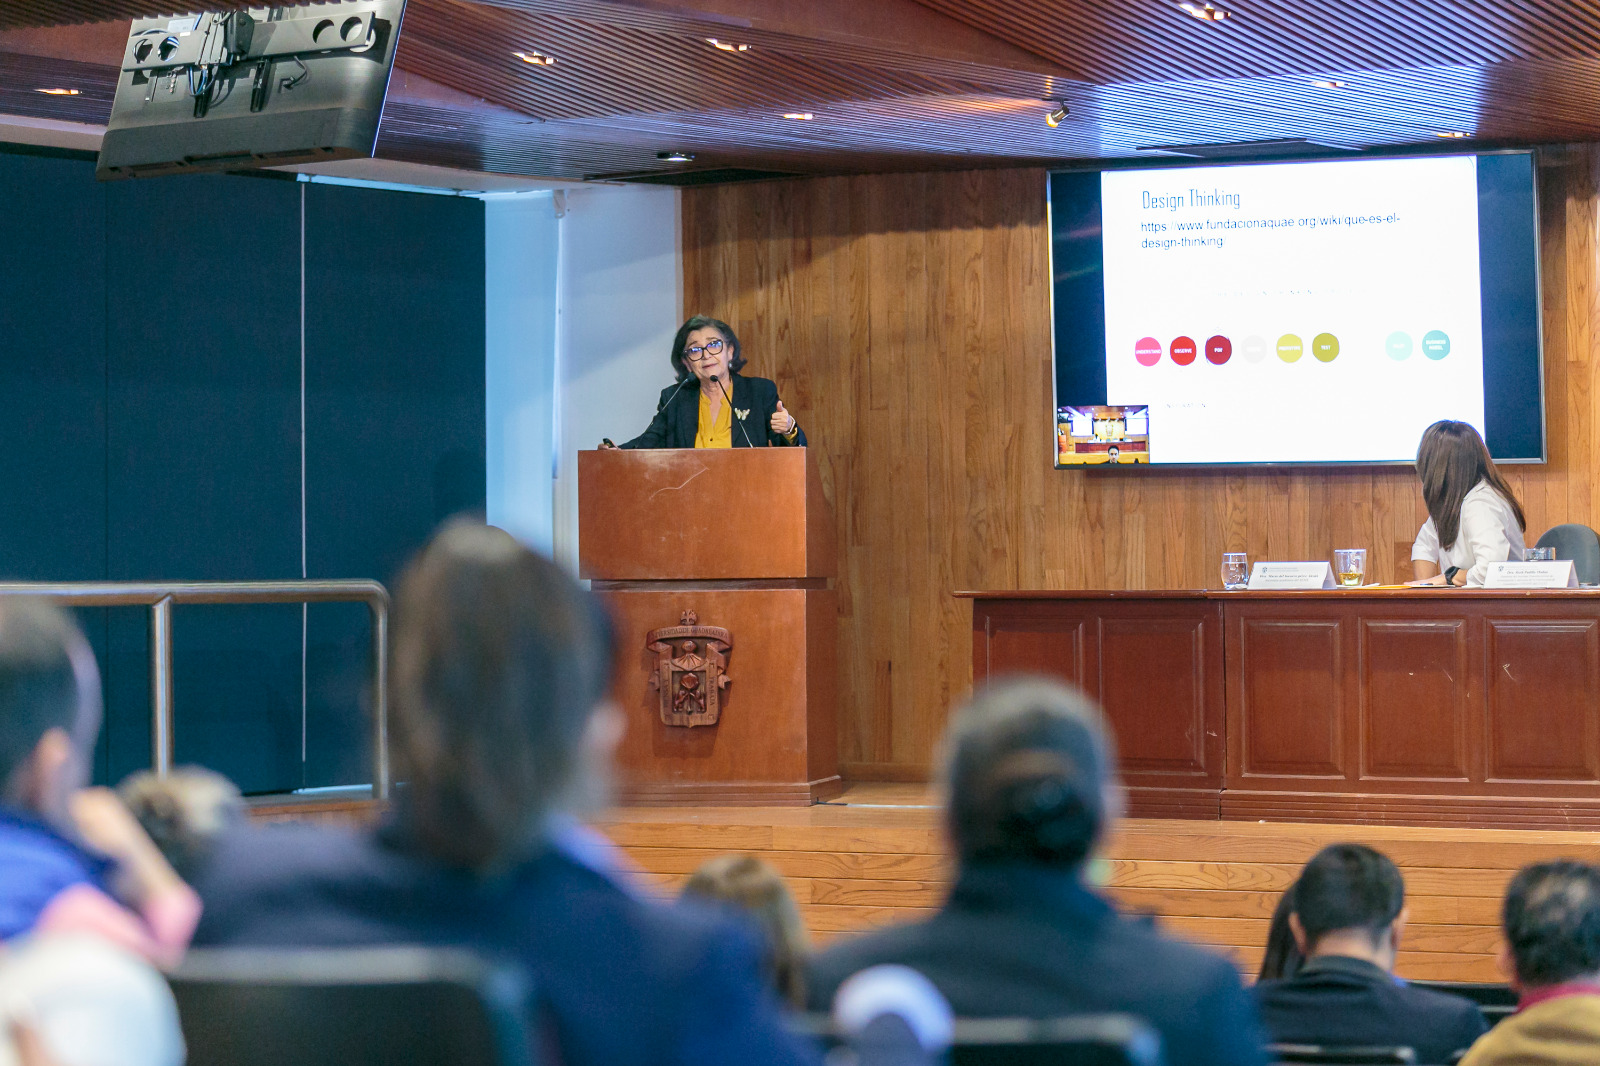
717, 565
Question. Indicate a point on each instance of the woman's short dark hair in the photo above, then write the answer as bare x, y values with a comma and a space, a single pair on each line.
500, 660
1028, 769
1552, 922
681, 341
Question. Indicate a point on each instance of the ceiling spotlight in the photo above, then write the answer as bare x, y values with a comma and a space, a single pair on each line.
675, 157
1328, 83
1207, 12
60, 92
537, 59
1056, 115
727, 46
1453, 134
799, 116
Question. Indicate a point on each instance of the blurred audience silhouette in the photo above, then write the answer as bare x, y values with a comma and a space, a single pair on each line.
1030, 788
1347, 919
501, 732
757, 891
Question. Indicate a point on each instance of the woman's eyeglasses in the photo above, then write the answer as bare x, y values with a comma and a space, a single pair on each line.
694, 351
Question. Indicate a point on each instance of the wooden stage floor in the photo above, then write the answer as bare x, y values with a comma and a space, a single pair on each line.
877, 855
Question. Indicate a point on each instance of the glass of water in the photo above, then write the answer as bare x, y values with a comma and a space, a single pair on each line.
1350, 566
1235, 570
1540, 555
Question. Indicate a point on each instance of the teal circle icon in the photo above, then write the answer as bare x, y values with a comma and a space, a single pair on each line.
1435, 345
1398, 345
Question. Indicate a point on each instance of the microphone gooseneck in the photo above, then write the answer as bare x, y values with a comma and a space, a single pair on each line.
674, 395
731, 411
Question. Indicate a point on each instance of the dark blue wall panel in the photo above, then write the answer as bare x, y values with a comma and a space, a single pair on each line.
150, 419
204, 461
395, 417
53, 377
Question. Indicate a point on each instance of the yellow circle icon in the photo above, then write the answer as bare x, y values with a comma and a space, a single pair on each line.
1290, 348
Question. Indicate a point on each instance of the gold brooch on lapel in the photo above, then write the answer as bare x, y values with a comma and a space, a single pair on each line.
742, 414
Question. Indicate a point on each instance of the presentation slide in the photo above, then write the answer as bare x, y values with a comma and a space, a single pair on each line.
1298, 312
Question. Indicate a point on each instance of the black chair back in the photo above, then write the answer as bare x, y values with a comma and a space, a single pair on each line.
1334, 1055
1082, 1040
1484, 995
1495, 1013
352, 1007
1580, 544
1079, 1040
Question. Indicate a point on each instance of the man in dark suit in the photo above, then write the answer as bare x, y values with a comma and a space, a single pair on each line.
1031, 788
1347, 917
501, 729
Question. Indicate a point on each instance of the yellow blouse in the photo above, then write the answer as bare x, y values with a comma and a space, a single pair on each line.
717, 433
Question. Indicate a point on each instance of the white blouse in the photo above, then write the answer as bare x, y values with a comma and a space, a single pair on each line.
1488, 533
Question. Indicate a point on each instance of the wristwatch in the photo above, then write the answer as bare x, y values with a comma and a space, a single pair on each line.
1450, 575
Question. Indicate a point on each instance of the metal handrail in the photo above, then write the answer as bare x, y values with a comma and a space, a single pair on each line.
162, 596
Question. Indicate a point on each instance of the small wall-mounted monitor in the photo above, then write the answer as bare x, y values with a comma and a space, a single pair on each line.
267, 86
1313, 312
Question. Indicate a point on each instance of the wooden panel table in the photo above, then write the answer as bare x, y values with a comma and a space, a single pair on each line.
1416, 706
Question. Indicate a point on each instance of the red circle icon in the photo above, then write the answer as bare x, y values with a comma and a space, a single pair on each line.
1147, 351
1183, 350
1218, 349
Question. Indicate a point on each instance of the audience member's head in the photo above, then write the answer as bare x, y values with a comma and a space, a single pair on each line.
1552, 923
1349, 900
184, 814
499, 713
49, 707
77, 1000
757, 890
1282, 957
1030, 776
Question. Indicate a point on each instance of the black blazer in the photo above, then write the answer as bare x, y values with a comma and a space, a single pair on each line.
620, 979
676, 422
1024, 941
1338, 1000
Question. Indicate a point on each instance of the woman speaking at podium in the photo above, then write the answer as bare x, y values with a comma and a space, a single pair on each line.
1474, 518
728, 410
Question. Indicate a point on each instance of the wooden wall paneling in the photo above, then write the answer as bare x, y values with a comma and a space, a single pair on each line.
911, 314
1286, 678
1420, 665
1541, 677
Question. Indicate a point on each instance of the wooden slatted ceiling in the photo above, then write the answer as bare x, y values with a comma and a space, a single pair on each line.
1141, 40
961, 85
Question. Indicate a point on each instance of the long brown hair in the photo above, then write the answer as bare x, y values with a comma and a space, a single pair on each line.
1451, 460
500, 659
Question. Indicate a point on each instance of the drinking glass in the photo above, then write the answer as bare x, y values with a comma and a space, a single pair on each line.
1540, 555
1350, 566
1235, 570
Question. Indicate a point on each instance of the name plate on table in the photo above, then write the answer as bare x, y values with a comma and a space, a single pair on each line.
1273, 576
1552, 575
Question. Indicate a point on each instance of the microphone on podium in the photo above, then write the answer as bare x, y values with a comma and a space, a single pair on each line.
740, 421
674, 395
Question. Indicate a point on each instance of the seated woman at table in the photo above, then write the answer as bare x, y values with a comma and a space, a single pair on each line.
727, 410
1474, 518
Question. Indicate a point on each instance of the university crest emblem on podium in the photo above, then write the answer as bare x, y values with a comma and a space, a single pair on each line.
690, 671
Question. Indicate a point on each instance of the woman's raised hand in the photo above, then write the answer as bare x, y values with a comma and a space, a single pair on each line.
782, 422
